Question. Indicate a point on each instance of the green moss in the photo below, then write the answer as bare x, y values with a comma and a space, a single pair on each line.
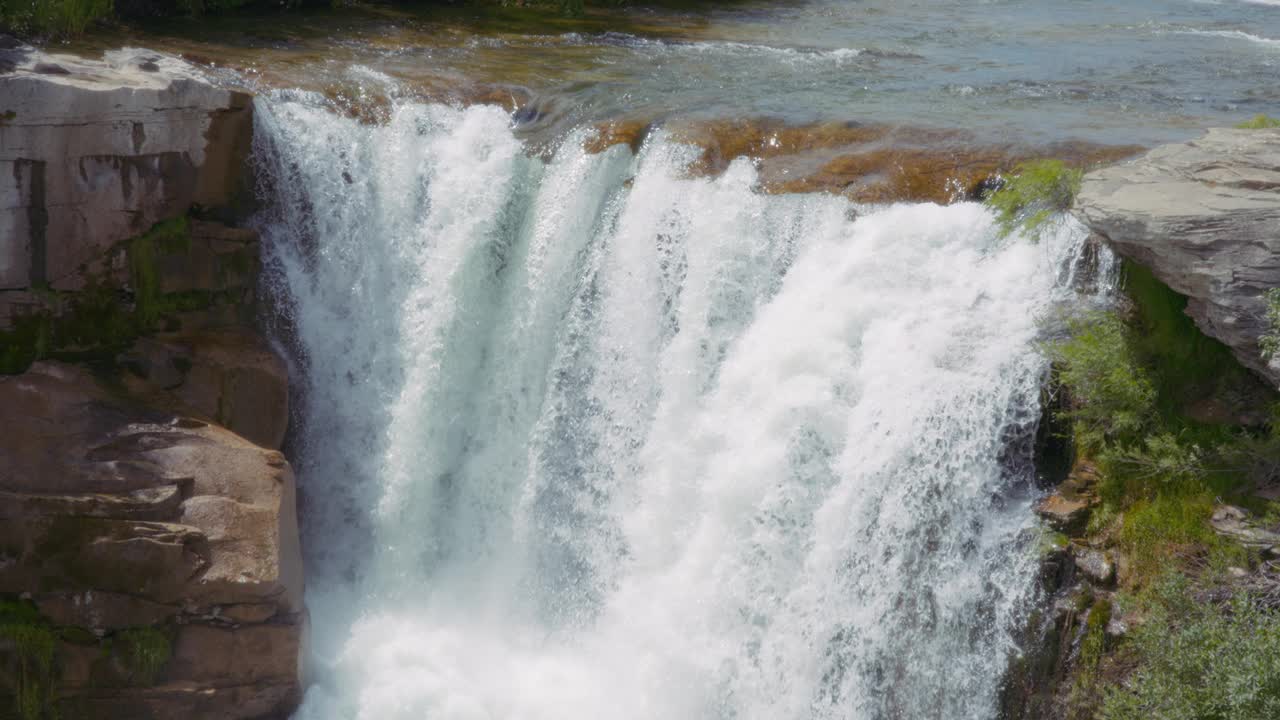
145, 651
167, 237
1185, 364
30, 669
1033, 194
1259, 122
1052, 542
97, 322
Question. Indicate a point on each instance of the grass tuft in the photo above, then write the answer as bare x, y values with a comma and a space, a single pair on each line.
1259, 122
1032, 194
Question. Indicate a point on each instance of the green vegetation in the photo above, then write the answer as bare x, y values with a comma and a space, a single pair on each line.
1033, 194
1176, 428
101, 319
1270, 341
1259, 122
1113, 396
28, 669
1201, 660
56, 17
145, 651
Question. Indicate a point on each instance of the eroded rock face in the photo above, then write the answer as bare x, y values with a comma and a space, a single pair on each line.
117, 515
94, 152
1204, 216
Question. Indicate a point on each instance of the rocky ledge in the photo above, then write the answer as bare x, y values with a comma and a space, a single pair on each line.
1204, 217
125, 525
149, 559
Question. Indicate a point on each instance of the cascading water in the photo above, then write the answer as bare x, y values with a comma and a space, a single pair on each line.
589, 438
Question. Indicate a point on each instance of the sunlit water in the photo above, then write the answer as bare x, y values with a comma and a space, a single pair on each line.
586, 438
1140, 71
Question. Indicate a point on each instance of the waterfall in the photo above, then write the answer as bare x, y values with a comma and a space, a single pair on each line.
586, 437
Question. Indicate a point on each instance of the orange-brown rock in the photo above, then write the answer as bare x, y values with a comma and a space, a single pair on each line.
121, 515
872, 163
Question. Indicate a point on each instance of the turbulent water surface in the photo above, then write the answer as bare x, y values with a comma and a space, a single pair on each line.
588, 438
1138, 71
583, 436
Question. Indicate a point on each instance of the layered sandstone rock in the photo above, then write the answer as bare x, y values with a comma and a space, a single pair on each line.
1204, 216
118, 516
147, 518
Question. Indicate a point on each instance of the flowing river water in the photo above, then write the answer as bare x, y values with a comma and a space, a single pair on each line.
583, 434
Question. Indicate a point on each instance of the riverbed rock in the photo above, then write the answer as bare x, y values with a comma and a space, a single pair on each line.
120, 515
1203, 216
101, 150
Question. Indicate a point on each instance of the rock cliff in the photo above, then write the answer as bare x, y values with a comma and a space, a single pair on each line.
1204, 217
149, 559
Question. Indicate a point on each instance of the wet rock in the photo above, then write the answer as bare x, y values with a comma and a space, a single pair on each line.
1065, 514
1202, 216
1095, 565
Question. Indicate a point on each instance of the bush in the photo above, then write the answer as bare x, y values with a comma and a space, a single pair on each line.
1270, 341
1112, 397
1032, 194
52, 17
1259, 122
1201, 661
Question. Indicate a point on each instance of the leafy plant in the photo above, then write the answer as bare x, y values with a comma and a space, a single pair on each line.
1201, 661
1270, 341
1033, 194
1259, 122
1112, 395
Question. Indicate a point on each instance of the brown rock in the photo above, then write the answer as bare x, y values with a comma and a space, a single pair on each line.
1064, 514
80, 471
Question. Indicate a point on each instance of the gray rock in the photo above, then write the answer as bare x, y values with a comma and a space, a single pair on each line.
1095, 565
1233, 522
1204, 216
99, 150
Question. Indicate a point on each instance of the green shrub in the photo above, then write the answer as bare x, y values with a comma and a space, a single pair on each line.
1032, 194
1259, 122
1270, 341
1201, 661
52, 17
1112, 397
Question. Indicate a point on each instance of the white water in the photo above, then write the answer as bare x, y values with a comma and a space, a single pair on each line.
588, 439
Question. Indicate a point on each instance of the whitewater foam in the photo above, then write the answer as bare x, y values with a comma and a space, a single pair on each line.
591, 438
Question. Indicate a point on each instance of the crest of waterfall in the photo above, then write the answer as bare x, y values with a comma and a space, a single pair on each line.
590, 438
